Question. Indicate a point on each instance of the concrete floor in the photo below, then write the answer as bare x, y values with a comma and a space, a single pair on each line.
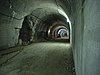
38, 59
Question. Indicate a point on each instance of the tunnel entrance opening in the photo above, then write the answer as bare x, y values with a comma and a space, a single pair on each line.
59, 32
62, 33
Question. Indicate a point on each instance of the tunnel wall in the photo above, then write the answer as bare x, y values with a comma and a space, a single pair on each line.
11, 17
12, 14
9, 31
87, 38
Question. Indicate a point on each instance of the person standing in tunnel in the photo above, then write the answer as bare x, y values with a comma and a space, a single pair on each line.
25, 33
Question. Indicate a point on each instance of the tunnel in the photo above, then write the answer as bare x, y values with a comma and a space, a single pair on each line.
49, 37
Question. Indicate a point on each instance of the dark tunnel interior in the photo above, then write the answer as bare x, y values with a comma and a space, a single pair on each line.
47, 29
44, 28
49, 37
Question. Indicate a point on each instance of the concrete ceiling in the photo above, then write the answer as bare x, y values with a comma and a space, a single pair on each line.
20, 8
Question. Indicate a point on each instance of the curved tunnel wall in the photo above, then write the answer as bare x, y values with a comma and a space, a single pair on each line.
87, 37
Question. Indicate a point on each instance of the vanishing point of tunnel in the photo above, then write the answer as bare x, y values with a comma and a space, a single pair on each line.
49, 37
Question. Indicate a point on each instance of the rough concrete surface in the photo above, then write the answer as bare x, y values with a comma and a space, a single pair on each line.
39, 59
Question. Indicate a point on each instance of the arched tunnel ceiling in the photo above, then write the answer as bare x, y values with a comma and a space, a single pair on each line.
20, 8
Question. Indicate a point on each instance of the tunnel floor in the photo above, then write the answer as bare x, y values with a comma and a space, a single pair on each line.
45, 58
